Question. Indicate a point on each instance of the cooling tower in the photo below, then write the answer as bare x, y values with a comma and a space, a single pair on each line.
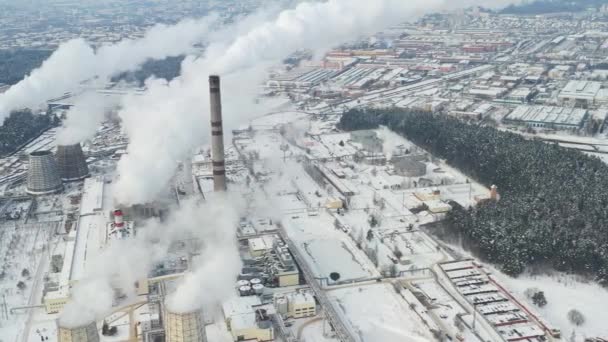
85, 333
72, 163
184, 327
43, 174
217, 134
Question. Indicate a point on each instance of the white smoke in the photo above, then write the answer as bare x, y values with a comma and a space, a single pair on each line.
76, 61
216, 268
125, 262
173, 117
119, 266
84, 117
390, 141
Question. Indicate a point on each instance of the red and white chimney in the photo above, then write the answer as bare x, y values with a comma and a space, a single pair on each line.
119, 222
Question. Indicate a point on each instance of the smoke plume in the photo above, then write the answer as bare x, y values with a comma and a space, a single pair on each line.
125, 262
176, 113
76, 61
84, 118
217, 266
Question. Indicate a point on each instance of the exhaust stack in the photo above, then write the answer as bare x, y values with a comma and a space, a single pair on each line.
217, 135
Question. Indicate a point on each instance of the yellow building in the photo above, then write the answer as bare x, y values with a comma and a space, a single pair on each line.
289, 278
55, 301
246, 319
301, 304
296, 304
260, 245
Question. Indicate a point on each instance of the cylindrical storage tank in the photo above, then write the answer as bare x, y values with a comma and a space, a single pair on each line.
243, 282
255, 281
258, 289
184, 327
71, 162
43, 175
245, 290
84, 333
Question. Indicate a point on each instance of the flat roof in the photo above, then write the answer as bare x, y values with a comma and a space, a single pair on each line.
582, 90
548, 115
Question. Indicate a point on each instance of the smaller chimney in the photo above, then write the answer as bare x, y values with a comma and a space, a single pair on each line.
119, 222
494, 193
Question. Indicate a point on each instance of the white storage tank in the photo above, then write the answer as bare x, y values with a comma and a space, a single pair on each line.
258, 289
242, 283
255, 281
245, 291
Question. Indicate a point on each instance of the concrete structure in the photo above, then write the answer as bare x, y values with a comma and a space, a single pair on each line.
548, 117
43, 174
72, 163
281, 266
409, 167
184, 327
260, 245
85, 333
247, 319
217, 135
298, 304
580, 92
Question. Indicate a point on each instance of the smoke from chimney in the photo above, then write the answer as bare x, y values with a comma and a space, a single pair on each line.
217, 135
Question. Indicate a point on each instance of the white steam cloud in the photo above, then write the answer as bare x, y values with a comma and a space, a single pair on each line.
176, 114
76, 61
127, 261
84, 117
217, 266
390, 141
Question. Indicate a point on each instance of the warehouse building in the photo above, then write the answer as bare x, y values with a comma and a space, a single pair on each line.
548, 117
582, 93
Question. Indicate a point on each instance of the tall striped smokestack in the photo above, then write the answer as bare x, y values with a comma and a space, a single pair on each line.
217, 135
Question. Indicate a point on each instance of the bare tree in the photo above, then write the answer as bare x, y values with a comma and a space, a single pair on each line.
576, 317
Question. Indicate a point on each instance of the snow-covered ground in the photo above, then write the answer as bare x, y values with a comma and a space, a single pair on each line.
377, 313
564, 293
313, 332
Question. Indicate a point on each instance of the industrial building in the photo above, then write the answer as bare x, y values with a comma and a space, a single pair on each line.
509, 318
582, 92
85, 333
548, 117
71, 162
43, 174
282, 267
184, 327
248, 319
298, 304
409, 167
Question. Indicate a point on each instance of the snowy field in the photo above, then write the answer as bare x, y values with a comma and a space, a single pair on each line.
313, 332
564, 293
377, 313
